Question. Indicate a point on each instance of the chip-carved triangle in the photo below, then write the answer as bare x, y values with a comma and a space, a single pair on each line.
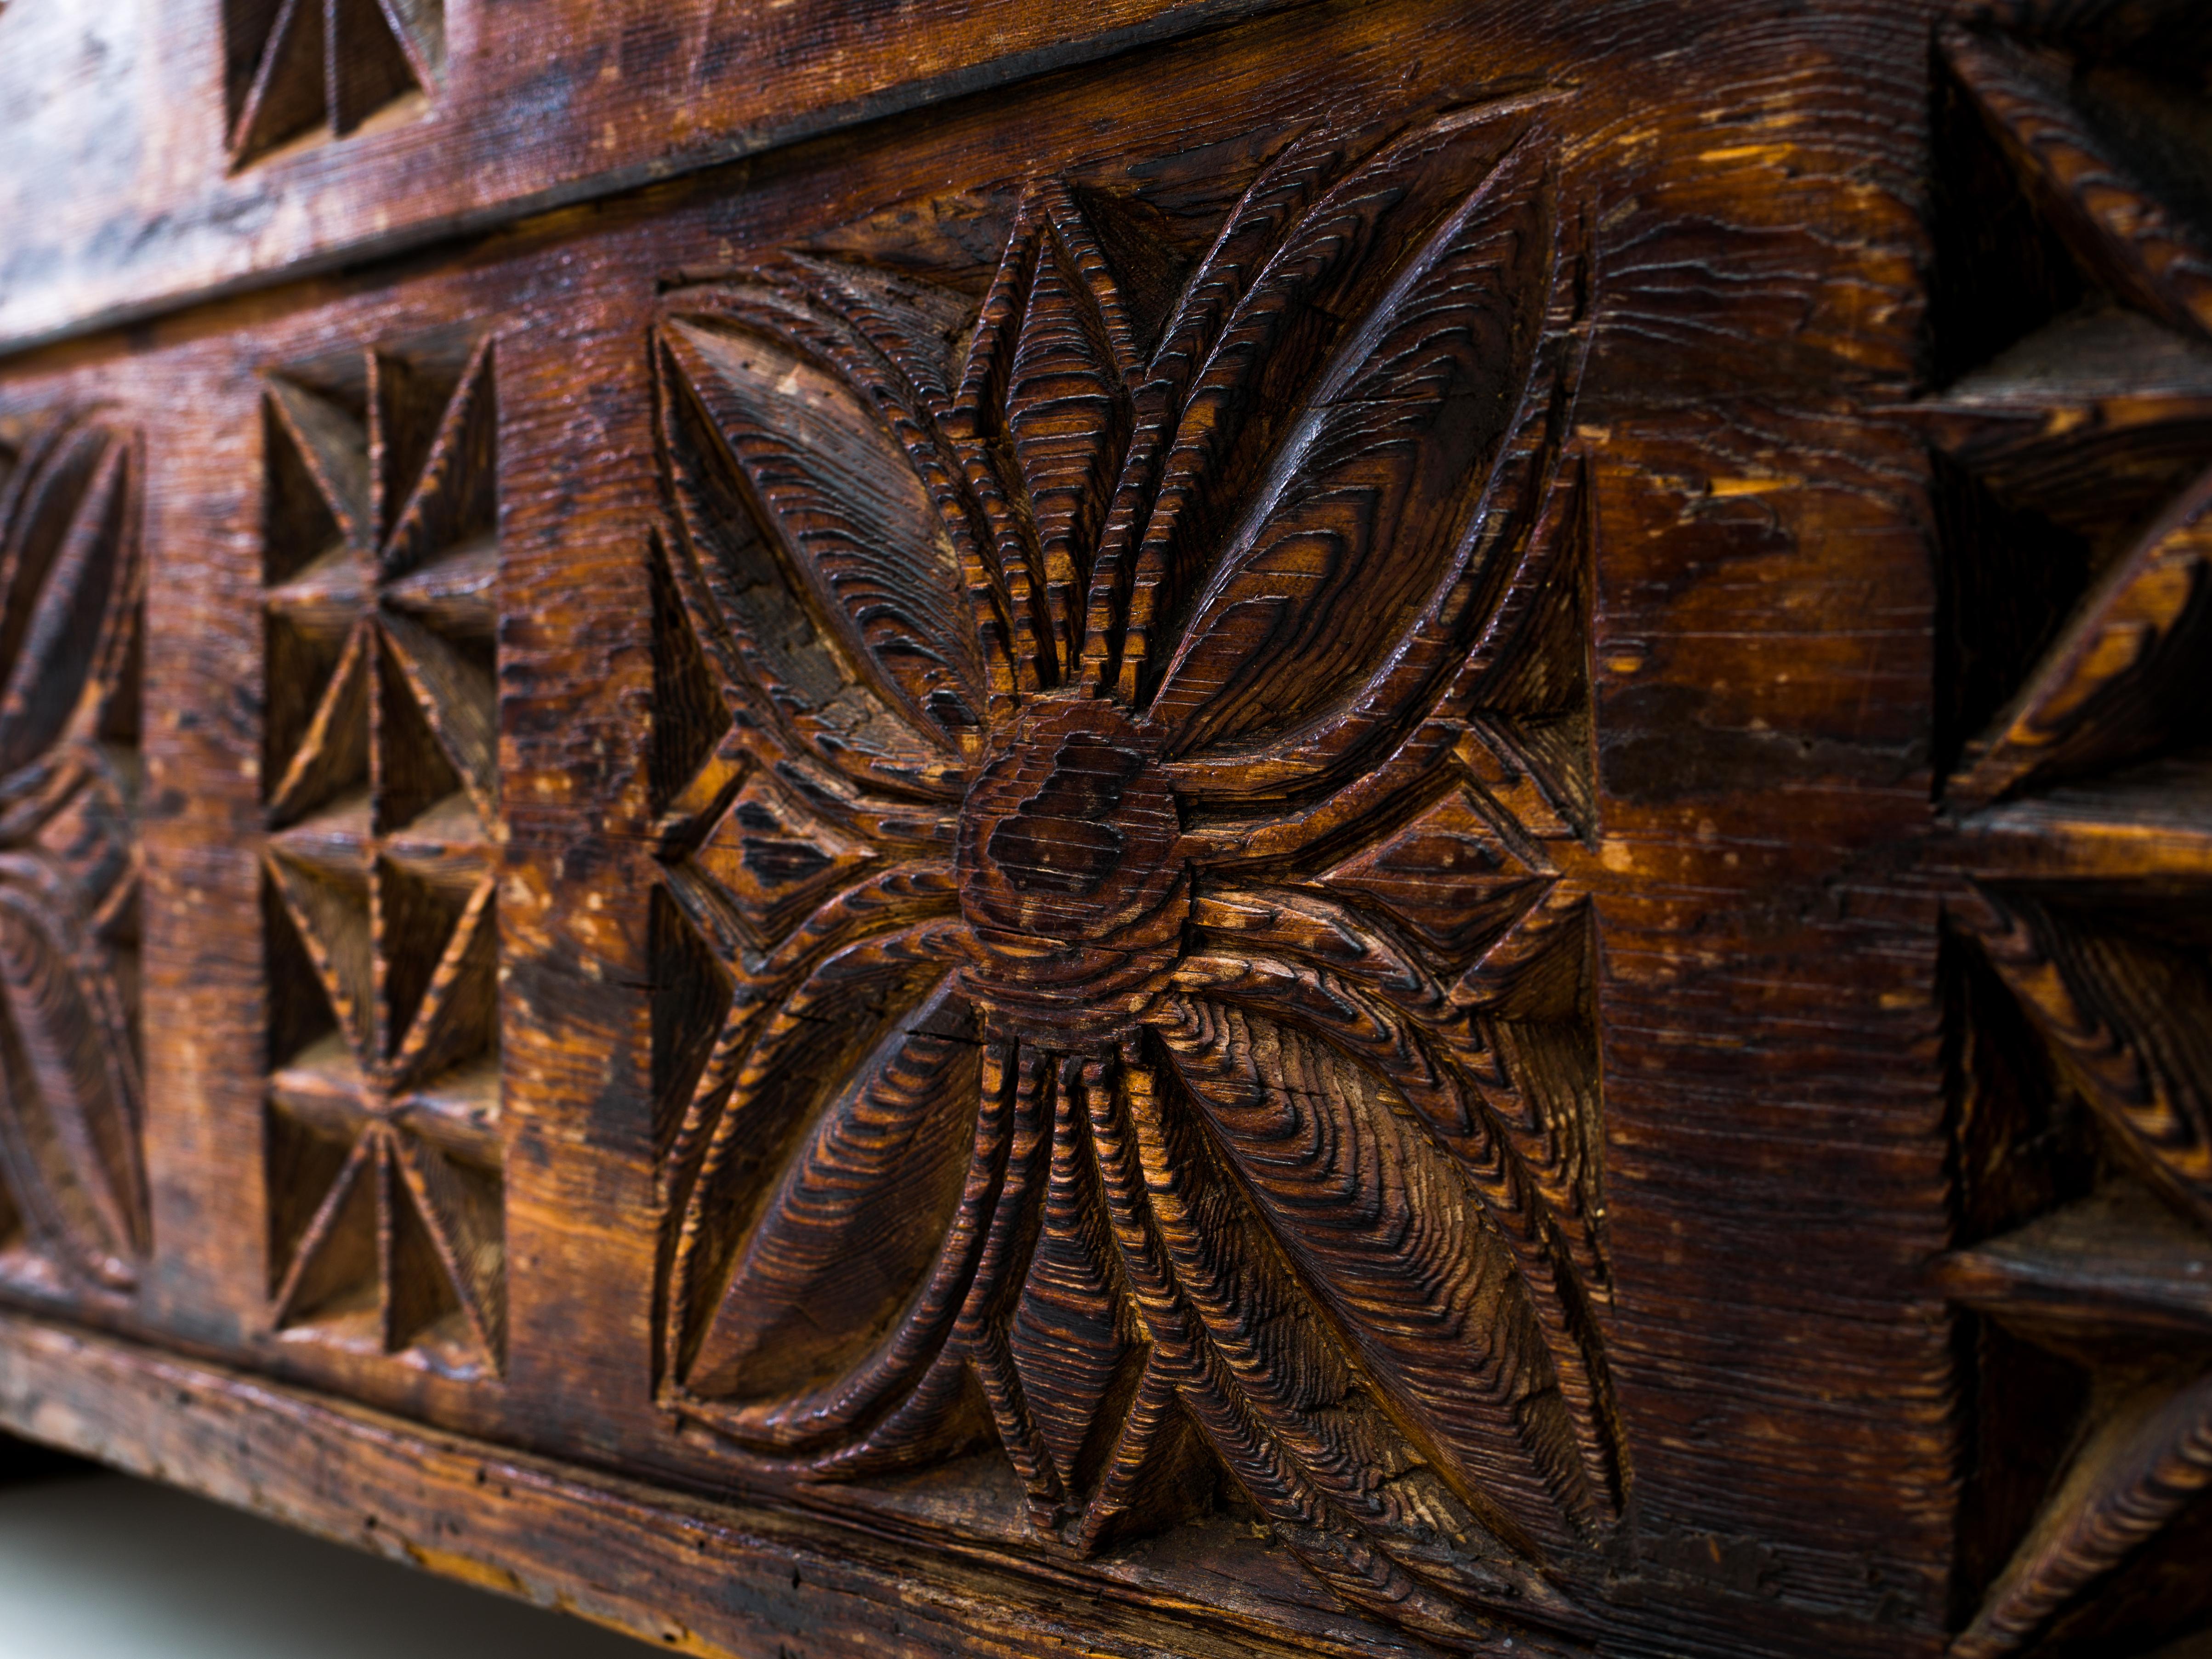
370, 63
287, 95
446, 1249
297, 68
447, 496
454, 704
331, 444
456, 1016
330, 914
336, 1258
331, 756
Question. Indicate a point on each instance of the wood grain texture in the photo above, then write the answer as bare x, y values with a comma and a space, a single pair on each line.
623, 1554
1168, 834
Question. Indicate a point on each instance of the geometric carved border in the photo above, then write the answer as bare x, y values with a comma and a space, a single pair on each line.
2079, 427
299, 69
382, 564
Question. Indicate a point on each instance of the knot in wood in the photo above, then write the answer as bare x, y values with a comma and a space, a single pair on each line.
1070, 872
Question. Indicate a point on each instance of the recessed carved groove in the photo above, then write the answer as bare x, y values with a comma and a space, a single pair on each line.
1133, 966
383, 1148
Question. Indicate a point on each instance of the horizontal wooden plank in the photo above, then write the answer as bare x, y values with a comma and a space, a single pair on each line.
689, 1576
128, 195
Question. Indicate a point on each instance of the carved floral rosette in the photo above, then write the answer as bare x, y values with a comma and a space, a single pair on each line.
72, 1188
1125, 769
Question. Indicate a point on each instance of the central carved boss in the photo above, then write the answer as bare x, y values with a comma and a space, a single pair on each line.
1069, 873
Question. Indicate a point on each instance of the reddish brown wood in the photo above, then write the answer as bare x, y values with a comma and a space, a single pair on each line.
1376, 832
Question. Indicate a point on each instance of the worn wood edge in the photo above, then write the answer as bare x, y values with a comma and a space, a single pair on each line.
1196, 17
688, 1574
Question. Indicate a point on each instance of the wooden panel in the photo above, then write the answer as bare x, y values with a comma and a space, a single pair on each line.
1381, 832
233, 140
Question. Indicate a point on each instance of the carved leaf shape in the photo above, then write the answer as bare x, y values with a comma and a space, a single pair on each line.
1380, 1224
1349, 530
69, 1122
1118, 618
865, 643
836, 1088
1513, 1102
1068, 413
1072, 1337
1288, 344
65, 576
1258, 1369
857, 1215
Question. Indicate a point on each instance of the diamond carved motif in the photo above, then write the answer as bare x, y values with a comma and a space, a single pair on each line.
382, 777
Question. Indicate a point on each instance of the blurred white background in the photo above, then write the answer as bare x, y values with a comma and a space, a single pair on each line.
94, 1566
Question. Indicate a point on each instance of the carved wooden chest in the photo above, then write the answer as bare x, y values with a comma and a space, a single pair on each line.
1184, 827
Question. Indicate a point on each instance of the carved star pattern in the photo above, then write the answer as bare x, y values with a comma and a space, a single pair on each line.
1124, 979
2084, 815
383, 790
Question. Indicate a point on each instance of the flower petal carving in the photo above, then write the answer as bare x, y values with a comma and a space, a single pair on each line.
878, 571
71, 1101
1174, 1058
68, 583
894, 1137
1370, 494
1375, 1217
854, 1007
69, 1130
